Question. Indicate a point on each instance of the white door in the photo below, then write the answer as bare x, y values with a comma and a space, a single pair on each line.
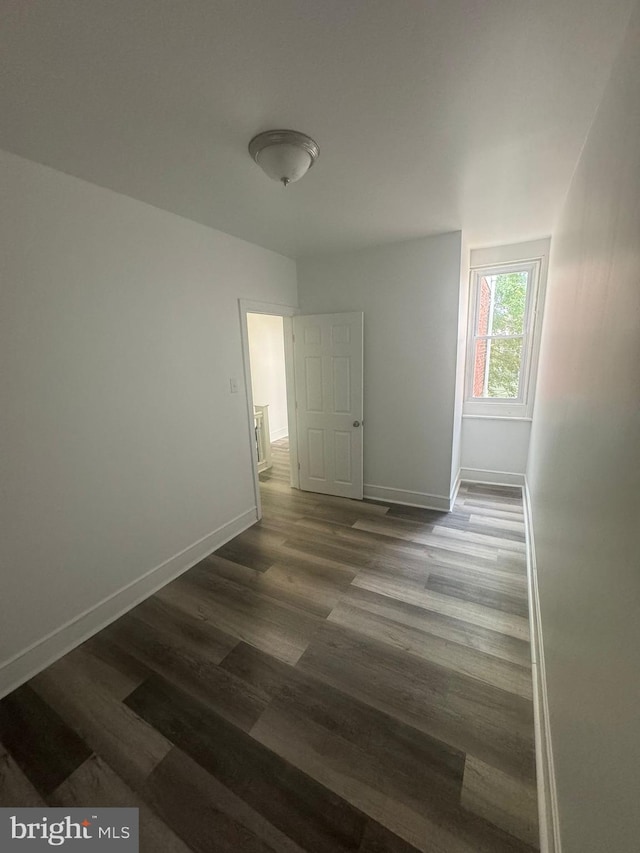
327, 352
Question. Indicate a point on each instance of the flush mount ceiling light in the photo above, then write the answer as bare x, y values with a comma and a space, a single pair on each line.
284, 155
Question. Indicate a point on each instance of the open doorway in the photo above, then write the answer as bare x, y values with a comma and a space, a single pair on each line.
270, 369
323, 361
265, 333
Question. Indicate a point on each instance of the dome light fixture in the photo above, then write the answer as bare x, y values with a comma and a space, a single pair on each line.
284, 155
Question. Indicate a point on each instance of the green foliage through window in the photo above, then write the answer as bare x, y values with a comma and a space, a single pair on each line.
501, 318
509, 302
504, 368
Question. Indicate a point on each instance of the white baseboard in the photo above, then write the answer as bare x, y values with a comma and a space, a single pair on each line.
276, 434
43, 652
494, 478
550, 841
406, 498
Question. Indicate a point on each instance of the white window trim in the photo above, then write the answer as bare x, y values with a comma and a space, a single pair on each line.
522, 407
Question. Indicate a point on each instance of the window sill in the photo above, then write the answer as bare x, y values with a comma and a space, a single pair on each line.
498, 417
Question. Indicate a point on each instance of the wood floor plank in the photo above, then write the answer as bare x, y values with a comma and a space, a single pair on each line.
316, 587
261, 534
500, 504
419, 817
344, 553
474, 717
186, 663
495, 576
508, 561
451, 556
375, 543
104, 650
345, 514
484, 510
416, 513
203, 811
45, 747
378, 839
293, 802
469, 611
15, 788
500, 524
416, 641
455, 629
262, 670
130, 746
482, 536
275, 627
308, 587
483, 591
199, 634
395, 528
384, 578
465, 520
114, 680
338, 766
507, 802
511, 493
293, 559
401, 755
442, 539
312, 501
280, 512
495, 581
95, 784
258, 557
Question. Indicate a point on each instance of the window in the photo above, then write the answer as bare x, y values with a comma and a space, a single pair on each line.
501, 335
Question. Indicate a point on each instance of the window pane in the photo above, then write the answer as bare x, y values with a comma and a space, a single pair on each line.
501, 303
496, 369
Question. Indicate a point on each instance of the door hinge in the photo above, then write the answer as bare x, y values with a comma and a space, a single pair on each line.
298, 466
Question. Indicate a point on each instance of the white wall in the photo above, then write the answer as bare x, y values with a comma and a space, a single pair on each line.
409, 293
584, 476
495, 449
121, 444
268, 376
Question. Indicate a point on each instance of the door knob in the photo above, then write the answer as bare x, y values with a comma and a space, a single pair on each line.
356, 423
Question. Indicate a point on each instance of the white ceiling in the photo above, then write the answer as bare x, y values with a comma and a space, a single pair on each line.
431, 115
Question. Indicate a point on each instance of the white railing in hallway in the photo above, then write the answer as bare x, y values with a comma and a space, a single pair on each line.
263, 441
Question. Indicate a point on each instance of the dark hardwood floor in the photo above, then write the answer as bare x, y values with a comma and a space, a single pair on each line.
343, 676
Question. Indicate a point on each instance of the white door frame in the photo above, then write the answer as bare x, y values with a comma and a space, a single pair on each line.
250, 306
